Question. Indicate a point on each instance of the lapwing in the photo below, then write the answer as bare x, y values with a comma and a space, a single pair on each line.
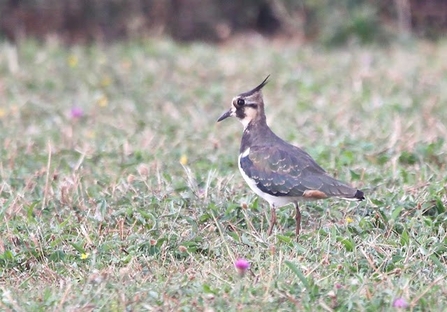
275, 170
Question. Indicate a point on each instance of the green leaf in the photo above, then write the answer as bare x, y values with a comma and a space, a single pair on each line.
438, 263
30, 211
346, 157
7, 255
354, 175
377, 202
234, 236
298, 273
404, 238
58, 255
78, 248
408, 158
348, 243
396, 212
383, 158
284, 239
440, 206
383, 215
208, 290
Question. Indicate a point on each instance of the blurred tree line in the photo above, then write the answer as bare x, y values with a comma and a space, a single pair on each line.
326, 21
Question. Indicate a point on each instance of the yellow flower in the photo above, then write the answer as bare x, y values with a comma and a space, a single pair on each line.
349, 220
184, 160
72, 61
105, 81
84, 256
91, 134
102, 101
2, 112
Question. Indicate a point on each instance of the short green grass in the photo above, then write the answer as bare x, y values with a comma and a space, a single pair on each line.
139, 205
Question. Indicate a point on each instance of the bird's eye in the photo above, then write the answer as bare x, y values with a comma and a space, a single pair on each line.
240, 102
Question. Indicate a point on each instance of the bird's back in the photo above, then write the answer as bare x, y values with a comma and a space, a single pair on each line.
282, 169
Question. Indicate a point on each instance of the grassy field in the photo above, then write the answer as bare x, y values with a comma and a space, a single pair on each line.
120, 192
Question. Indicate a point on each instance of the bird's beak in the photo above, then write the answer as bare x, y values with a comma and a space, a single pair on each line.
225, 115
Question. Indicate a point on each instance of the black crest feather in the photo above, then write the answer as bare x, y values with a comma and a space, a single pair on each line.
257, 89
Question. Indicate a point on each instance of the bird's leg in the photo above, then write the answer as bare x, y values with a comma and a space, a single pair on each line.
272, 219
298, 219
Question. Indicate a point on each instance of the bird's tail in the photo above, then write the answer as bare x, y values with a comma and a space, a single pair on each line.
359, 195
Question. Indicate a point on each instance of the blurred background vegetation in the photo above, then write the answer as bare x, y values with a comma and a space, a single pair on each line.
324, 21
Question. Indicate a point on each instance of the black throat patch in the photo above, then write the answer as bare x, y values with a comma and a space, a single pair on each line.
240, 112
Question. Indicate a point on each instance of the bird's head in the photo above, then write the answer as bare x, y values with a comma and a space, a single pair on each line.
247, 106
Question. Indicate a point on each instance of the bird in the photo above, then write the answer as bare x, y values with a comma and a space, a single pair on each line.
275, 170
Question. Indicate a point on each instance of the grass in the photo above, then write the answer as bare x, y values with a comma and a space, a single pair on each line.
138, 203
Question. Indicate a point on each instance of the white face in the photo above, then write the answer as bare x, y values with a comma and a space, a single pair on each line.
245, 109
247, 106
